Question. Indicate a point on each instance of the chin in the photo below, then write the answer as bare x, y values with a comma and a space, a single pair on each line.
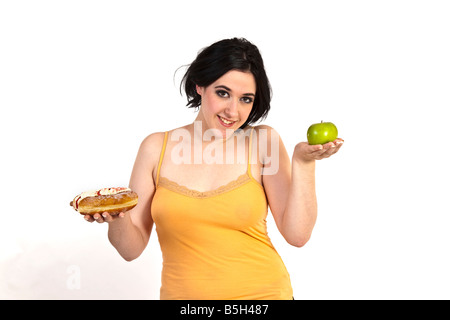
227, 130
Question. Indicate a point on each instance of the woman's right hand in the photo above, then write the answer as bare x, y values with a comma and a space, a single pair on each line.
104, 217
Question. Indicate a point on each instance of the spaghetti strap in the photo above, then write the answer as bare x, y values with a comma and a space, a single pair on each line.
250, 147
161, 157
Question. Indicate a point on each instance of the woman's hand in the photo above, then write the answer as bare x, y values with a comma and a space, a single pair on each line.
104, 217
306, 152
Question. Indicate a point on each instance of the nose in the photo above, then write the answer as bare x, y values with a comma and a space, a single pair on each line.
231, 110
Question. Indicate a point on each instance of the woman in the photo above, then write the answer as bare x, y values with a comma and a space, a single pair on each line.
207, 186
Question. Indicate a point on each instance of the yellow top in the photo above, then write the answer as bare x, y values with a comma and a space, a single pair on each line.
215, 244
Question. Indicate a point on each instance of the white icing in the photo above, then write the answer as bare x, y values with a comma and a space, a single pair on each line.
109, 191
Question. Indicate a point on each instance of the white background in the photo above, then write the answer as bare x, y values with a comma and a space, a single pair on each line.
83, 82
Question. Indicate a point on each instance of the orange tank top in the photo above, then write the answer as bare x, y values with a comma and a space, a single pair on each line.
215, 244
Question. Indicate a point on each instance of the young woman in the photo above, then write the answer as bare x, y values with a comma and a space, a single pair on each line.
207, 186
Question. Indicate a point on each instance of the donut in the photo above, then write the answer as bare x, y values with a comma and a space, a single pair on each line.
111, 200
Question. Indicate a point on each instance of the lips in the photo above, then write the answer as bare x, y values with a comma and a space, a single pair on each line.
226, 122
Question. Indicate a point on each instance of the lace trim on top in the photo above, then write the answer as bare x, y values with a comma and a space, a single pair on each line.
172, 185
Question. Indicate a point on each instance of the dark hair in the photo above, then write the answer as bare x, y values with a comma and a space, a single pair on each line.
219, 58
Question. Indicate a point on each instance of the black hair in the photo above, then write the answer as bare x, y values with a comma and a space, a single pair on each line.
214, 61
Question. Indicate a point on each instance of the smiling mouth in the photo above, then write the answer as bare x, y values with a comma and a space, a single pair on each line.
226, 122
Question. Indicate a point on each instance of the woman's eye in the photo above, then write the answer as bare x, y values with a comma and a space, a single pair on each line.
247, 100
222, 93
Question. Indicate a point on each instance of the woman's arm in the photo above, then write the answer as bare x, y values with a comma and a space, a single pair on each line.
300, 214
130, 232
291, 189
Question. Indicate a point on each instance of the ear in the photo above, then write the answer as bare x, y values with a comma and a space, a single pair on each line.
199, 89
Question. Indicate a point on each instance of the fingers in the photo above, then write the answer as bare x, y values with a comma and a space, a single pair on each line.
88, 218
103, 217
109, 217
327, 149
95, 217
325, 152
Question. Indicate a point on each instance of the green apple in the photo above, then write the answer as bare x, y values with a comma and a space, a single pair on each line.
321, 133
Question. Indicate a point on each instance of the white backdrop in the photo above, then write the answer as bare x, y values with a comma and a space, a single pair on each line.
83, 82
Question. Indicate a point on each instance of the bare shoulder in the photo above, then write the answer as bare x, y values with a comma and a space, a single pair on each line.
152, 141
263, 126
150, 149
267, 136
151, 146
266, 130
271, 150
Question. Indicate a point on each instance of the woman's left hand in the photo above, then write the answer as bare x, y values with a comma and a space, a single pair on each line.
306, 152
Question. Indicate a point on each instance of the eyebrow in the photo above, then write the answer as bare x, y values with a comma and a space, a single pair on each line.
226, 88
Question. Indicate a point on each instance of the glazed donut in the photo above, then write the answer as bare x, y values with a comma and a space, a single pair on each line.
111, 200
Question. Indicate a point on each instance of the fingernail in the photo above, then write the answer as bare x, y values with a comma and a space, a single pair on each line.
104, 215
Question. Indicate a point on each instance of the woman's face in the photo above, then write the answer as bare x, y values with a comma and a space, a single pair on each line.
227, 103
